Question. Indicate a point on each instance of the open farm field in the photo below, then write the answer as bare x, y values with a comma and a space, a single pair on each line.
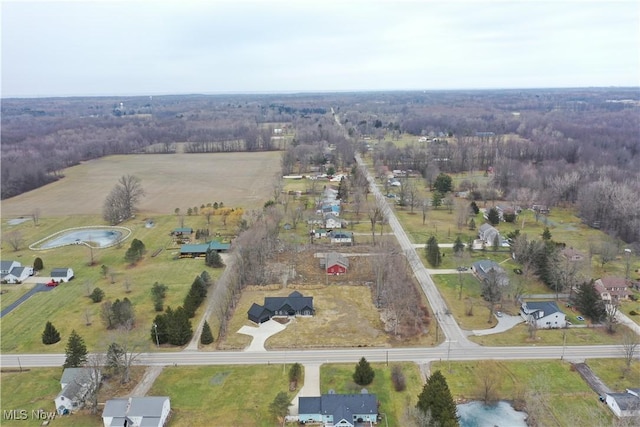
553, 393
169, 180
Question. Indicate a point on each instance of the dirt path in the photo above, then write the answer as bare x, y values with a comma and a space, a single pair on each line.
149, 377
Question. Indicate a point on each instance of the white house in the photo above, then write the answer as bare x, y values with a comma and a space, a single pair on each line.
487, 233
150, 411
76, 383
343, 410
624, 404
62, 274
14, 272
343, 237
332, 221
545, 314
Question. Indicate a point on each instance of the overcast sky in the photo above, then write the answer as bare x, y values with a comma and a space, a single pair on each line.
174, 47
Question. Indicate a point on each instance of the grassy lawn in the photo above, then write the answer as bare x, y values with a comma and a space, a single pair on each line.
557, 394
67, 305
612, 373
449, 286
29, 390
392, 403
345, 317
222, 395
575, 336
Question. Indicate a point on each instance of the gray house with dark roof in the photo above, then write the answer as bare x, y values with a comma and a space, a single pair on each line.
62, 274
150, 411
487, 270
624, 404
293, 305
344, 410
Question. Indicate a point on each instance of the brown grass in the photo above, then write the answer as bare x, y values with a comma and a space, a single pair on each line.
169, 180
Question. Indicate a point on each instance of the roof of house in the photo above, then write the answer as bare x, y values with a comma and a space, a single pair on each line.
17, 271
626, 401
341, 234
613, 282
341, 406
6, 265
148, 406
70, 374
183, 230
75, 379
59, 272
546, 307
115, 407
333, 258
485, 227
204, 247
331, 217
295, 300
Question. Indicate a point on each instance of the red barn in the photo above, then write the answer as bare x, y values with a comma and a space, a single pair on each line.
334, 263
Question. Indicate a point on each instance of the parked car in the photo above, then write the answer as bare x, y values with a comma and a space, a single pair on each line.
52, 283
499, 313
462, 268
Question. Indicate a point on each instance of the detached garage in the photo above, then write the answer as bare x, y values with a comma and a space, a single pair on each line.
62, 274
334, 263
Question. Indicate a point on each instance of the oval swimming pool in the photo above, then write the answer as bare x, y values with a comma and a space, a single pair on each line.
94, 237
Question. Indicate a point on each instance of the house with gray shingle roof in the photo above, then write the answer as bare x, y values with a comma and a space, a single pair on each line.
76, 383
62, 274
345, 410
293, 305
545, 314
14, 272
624, 404
149, 411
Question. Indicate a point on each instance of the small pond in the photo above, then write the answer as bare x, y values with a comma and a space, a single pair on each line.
102, 237
501, 414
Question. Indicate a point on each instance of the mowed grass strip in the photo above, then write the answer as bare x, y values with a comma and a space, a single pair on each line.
222, 395
564, 397
614, 374
338, 377
519, 335
30, 390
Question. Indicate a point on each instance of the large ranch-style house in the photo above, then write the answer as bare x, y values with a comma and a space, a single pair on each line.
543, 314
200, 250
334, 263
148, 411
14, 272
293, 305
339, 410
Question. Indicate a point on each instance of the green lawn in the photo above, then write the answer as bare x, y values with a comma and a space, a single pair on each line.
337, 377
575, 336
222, 395
550, 389
67, 305
613, 373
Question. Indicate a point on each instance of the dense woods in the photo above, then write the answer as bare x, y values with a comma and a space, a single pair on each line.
550, 146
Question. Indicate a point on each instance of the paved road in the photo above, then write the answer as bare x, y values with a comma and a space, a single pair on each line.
418, 355
448, 325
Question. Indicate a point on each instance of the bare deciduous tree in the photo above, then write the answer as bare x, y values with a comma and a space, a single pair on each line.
35, 216
630, 344
488, 380
121, 203
15, 239
375, 215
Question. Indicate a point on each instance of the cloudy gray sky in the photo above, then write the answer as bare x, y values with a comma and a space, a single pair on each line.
173, 47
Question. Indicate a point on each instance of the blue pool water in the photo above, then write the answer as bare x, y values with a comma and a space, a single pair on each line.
502, 414
96, 237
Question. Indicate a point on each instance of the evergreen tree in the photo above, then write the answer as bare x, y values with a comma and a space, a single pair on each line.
458, 246
443, 183
38, 265
213, 259
546, 234
115, 358
76, 351
472, 224
496, 243
135, 252
279, 408
436, 399
343, 190
205, 277
432, 252
436, 200
179, 329
159, 330
206, 337
295, 373
473, 207
493, 216
364, 373
50, 334
588, 302
97, 295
